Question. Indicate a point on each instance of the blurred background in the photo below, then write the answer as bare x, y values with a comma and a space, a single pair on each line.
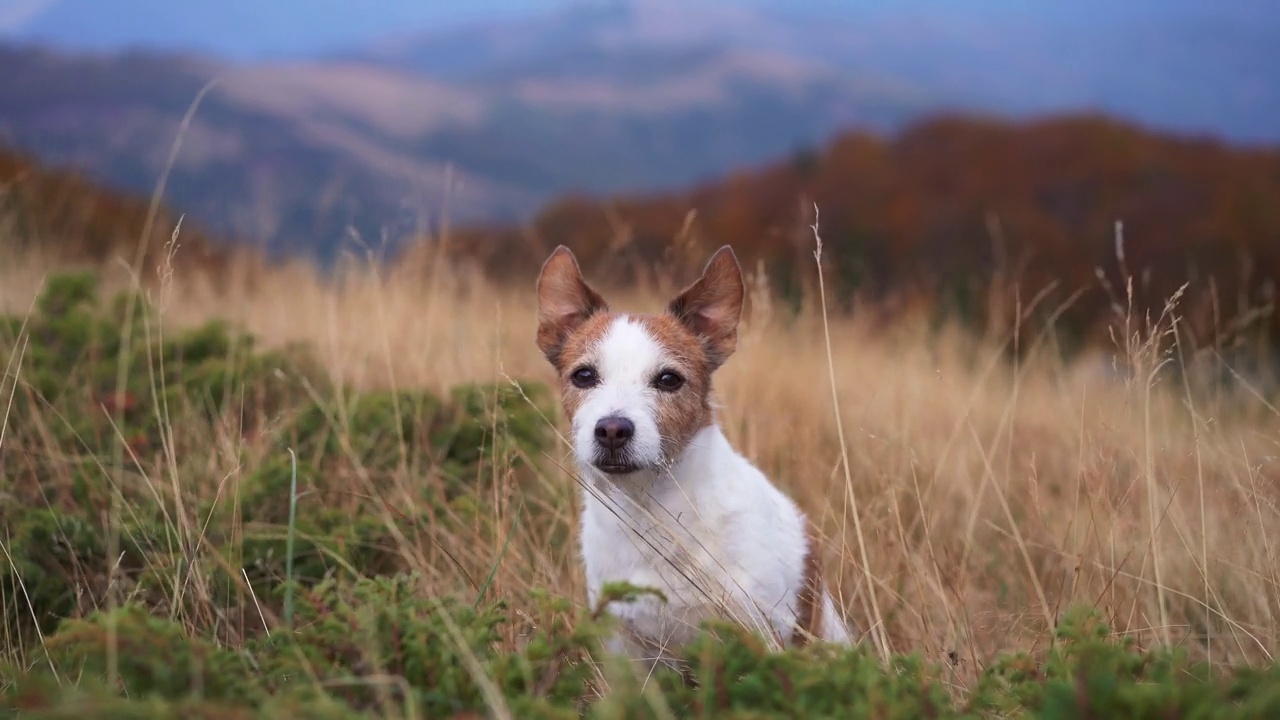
949, 145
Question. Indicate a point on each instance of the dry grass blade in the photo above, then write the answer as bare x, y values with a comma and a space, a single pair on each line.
877, 627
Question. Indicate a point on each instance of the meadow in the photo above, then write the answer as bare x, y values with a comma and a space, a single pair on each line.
278, 495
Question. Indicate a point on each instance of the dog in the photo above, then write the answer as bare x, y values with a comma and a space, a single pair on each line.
668, 503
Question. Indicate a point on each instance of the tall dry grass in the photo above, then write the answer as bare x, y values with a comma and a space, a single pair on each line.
990, 494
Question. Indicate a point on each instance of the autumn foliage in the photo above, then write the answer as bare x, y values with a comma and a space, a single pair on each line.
65, 217
991, 220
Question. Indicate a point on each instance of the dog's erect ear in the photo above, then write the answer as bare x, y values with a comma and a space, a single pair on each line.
712, 305
565, 301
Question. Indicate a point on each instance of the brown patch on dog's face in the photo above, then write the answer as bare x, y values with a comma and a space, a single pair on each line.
575, 354
681, 412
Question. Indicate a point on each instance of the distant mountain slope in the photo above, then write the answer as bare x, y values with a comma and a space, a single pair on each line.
291, 154
290, 157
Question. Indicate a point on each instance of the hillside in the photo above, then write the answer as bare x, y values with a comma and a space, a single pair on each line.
308, 500
956, 208
271, 156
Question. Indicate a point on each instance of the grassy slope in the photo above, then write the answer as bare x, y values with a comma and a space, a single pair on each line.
991, 499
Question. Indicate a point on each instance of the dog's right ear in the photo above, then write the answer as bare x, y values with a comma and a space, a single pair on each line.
565, 301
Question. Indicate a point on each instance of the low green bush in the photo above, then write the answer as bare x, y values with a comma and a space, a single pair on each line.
378, 647
143, 444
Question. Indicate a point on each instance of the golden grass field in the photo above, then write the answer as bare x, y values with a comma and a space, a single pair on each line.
969, 501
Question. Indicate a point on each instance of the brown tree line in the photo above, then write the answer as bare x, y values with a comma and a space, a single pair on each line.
63, 216
971, 216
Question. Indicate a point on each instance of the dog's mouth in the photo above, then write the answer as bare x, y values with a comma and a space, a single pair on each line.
616, 463
616, 467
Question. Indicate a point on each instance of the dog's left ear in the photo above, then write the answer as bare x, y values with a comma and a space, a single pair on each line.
565, 301
712, 306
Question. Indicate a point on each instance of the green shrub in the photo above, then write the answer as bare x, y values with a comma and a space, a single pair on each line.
1089, 674
373, 644
113, 443
378, 647
50, 553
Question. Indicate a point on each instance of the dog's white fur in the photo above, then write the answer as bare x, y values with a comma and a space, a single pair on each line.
703, 526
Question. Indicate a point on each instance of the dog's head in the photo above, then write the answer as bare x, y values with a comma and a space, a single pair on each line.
636, 387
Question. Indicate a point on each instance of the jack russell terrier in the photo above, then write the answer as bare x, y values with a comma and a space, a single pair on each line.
668, 503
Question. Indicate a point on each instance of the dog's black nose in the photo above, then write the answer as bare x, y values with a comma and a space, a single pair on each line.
614, 432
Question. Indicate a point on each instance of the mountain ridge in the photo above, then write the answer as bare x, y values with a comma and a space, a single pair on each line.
388, 141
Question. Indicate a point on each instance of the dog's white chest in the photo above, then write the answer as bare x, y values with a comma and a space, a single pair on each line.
678, 558
710, 551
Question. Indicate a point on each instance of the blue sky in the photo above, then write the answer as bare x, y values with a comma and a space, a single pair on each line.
14, 14
257, 29
237, 28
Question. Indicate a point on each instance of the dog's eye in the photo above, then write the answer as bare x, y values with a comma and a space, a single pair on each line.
668, 381
583, 377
